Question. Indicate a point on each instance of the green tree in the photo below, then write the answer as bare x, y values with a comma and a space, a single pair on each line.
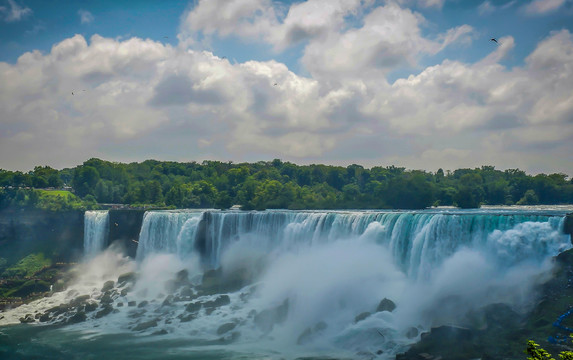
536, 352
85, 180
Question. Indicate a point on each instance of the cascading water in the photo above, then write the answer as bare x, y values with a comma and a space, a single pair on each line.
96, 228
310, 283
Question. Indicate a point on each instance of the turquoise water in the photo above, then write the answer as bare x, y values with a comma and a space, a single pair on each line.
327, 266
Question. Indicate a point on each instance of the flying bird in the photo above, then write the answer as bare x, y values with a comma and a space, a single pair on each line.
494, 40
275, 84
72, 93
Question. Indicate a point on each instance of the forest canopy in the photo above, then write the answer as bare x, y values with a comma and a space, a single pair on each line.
275, 184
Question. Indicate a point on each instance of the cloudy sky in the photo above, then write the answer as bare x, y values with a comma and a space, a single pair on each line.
412, 83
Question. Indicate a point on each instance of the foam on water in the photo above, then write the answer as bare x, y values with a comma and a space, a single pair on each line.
324, 268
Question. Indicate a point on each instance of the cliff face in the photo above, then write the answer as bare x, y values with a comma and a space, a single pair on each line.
59, 235
124, 227
568, 228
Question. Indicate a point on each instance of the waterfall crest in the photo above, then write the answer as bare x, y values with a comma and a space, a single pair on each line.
418, 240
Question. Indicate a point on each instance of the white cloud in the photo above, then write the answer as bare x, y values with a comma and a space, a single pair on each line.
86, 17
390, 38
537, 7
15, 12
487, 7
146, 99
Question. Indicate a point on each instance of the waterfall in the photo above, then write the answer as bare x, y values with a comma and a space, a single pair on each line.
418, 241
96, 230
167, 232
306, 284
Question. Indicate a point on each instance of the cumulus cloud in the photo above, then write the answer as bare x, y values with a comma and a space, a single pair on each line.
390, 38
134, 99
14, 12
86, 17
538, 7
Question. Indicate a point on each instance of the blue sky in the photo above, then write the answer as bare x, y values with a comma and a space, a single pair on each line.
413, 83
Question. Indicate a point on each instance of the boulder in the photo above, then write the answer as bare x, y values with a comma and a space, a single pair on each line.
79, 300
131, 303
29, 318
106, 310
187, 317
193, 307
218, 302
78, 317
226, 328
90, 306
126, 278
106, 298
108, 285
145, 325
361, 316
386, 305
143, 304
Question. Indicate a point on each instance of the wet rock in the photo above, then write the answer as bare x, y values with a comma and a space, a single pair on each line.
143, 304
187, 317
45, 317
160, 332
168, 301
59, 309
79, 300
124, 292
119, 304
106, 298
131, 303
136, 314
362, 316
182, 277
218, 302
108, 285
106, 310
145, 325
386, 305
193, 307
126, 278
216, 281
78, 317
266, 319
29, 318
412, 332
90, 306
187, 291
226, 328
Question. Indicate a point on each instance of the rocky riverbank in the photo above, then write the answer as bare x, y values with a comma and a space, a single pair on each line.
499, 332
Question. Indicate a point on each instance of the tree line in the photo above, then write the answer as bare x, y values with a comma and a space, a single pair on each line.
277, 184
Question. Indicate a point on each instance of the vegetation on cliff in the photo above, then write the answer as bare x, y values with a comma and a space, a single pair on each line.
277, 184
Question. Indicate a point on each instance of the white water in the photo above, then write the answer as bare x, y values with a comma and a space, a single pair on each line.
96, 229
331, 266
